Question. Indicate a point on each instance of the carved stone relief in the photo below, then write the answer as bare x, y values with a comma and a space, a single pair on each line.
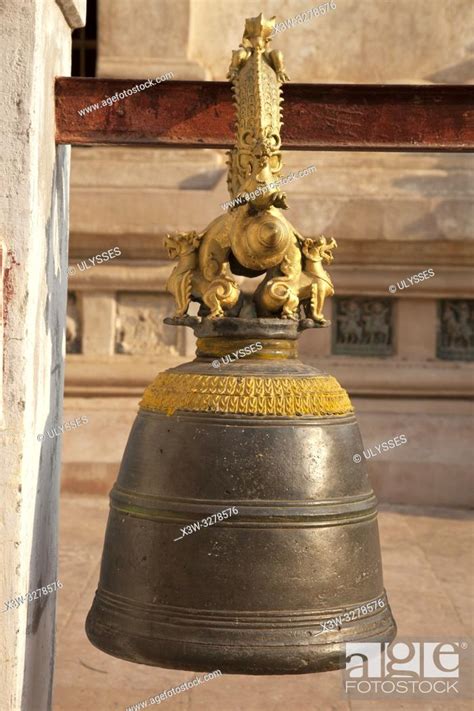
455, 329
362, 326
139, 326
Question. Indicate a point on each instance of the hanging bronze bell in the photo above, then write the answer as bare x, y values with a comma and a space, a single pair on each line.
254, 593
242, 533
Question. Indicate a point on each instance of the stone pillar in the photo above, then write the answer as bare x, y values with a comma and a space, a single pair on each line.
146, 39
35, 47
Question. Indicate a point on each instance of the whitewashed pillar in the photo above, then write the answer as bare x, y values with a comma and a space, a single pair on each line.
35, 46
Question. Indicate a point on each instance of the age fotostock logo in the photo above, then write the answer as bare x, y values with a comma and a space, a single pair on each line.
407, 668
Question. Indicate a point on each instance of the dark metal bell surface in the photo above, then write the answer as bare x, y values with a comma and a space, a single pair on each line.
275, 439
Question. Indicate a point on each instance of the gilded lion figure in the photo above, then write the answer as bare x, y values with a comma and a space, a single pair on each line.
315, 284
188, 282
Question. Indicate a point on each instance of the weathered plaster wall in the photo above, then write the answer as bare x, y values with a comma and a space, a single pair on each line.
392, 214
34, 48
396, 41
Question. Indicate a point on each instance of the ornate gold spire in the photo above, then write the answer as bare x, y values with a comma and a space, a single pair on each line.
256, 75
253, 237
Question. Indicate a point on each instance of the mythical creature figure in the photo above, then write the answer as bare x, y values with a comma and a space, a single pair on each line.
253, 237
315, 283
212, 285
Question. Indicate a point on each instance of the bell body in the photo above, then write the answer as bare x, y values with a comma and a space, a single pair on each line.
257, 591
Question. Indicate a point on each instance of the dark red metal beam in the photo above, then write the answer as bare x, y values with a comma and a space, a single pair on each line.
198, 114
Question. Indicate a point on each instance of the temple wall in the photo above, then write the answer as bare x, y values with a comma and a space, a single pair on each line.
404, 355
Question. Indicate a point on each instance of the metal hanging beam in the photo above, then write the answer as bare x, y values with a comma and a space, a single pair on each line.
200, 114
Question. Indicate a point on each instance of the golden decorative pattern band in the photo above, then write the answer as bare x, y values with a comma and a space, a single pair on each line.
320, 396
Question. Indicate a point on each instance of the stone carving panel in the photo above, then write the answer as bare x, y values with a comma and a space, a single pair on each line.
139, 328
456, 329
73, 325
362, 326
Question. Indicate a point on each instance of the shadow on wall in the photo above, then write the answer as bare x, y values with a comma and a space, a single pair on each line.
37, 688
446, 220
459, 73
